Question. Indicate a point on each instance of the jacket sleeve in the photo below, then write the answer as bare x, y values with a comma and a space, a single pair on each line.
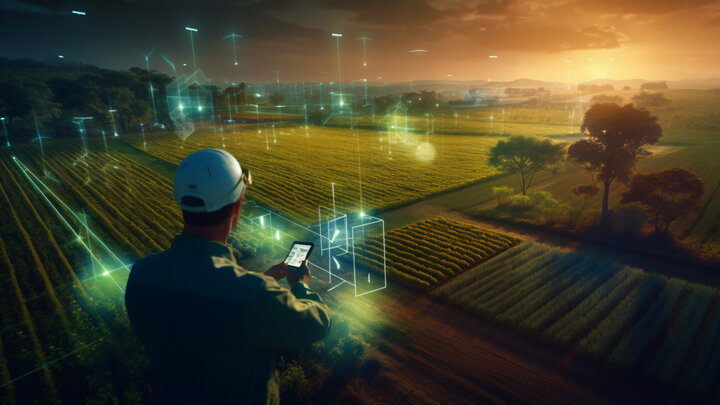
291, 320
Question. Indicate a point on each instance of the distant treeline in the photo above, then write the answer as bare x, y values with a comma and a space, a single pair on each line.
54, 93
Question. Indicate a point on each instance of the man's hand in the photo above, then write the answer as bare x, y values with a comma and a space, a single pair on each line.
278, 272
292, 276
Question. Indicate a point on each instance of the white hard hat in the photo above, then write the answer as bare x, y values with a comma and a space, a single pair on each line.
213, 177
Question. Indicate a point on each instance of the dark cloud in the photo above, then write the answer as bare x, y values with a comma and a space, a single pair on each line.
642, 6
294, 35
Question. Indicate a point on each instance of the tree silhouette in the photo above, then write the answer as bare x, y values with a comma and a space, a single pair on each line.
645, 99
525, 156
668, 195
616, 138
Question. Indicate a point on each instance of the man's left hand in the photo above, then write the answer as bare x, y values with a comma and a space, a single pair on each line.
277, 271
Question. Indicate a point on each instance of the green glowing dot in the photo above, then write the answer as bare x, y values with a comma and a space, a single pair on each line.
106, 273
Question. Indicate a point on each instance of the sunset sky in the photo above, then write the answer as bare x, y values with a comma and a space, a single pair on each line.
615, 39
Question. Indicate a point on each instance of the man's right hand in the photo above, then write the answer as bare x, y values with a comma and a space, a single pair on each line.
304, 271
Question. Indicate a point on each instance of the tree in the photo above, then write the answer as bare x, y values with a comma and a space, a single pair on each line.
616, 139
605, 99
585, 192
654, 86
650, 100
123, 102
668, 195
525, 156
626, 88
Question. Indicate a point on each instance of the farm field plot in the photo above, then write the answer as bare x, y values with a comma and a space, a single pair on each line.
128, 203
428, 252
62, 328
666, 329
293, 171
514, 121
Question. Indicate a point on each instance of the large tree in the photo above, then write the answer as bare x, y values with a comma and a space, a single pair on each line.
616, 138
525, 156
668, 195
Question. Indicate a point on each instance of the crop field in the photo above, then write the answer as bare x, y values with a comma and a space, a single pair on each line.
107, 186
293, 170
428, 252
64, 332
505, 121
53, 308
664, 328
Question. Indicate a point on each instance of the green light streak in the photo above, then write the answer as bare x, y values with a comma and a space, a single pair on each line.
34, 180
51, 362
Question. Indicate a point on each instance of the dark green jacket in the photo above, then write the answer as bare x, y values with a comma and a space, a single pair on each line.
211, 327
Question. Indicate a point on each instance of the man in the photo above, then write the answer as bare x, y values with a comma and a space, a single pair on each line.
209, 326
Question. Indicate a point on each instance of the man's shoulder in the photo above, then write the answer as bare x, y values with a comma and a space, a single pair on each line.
144, 267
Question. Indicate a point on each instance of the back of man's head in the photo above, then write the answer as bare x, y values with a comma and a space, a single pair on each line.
208, 183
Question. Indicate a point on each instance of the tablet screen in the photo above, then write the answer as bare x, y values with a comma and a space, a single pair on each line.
298, 254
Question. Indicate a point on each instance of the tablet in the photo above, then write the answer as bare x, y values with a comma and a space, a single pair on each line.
299, 252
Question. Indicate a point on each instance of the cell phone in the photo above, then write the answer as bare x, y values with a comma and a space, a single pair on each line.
299, 252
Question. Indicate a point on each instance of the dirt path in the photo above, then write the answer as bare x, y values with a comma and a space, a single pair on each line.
455, 357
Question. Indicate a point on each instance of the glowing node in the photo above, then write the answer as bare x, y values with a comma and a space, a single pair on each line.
236, 63
362, 214
200, 108
106, 273
180, 107
277, 235
425, 152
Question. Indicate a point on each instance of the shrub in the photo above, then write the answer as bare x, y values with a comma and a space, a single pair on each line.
503, 194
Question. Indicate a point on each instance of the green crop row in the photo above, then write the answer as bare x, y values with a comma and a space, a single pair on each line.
428, 252
667, 329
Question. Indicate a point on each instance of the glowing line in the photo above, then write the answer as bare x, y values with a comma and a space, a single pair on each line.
78, 12
25, 171
336, 286
334, 275
28, 173
51, 362
336, 263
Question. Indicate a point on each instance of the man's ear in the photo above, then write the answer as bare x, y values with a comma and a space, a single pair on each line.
237, 208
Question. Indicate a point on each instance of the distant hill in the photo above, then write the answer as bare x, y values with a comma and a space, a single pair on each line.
695, 84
